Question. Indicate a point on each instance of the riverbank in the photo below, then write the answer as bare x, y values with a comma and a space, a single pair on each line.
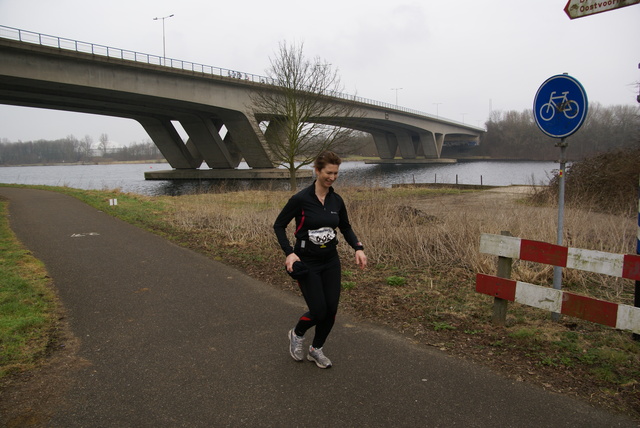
366, 159
131, 177
93, 162
421, 277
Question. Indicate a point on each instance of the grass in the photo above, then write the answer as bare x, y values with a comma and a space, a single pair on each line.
28, 309
423, 257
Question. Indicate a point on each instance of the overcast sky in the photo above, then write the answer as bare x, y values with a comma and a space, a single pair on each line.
457, 59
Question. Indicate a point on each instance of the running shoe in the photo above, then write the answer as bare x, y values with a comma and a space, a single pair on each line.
295, 345
317, 356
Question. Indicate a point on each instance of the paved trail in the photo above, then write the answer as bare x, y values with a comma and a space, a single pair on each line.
165, 337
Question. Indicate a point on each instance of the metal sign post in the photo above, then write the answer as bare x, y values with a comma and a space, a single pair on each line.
557, 270
636, 298
560, 108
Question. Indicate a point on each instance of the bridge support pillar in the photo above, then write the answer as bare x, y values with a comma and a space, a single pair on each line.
233, 149
275, 132
164, 135
406, 146
205, 136
386, 144
247, 136
431, 144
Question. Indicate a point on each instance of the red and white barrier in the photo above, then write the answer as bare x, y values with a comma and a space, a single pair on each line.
619, 265
623, 317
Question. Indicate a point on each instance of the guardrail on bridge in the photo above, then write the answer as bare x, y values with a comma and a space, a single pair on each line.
124, 54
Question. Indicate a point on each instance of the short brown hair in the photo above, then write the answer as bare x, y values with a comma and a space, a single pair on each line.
325, 158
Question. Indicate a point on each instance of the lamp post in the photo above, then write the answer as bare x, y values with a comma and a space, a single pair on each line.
164, 50
437, 104
396, 89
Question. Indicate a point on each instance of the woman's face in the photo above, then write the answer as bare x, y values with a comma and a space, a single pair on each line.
327, 175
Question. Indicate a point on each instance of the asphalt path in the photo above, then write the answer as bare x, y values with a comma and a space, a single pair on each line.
170, 338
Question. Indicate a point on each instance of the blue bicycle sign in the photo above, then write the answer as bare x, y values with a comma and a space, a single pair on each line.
560, 106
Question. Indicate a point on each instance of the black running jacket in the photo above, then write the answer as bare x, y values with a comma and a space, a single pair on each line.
315, 223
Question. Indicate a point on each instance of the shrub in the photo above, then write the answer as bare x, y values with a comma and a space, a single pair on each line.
604, 183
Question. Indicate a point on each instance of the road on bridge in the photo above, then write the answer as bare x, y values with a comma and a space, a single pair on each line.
161, 336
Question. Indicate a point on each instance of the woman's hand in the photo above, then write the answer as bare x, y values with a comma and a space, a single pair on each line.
361, 259
291, 259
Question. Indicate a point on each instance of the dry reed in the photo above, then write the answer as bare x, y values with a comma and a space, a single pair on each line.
417, 231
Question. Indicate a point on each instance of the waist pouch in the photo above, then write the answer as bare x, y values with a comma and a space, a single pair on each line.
317, 247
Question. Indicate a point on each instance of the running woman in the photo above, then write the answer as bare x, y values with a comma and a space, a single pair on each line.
318, 210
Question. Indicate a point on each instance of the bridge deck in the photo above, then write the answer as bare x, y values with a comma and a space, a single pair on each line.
215, 110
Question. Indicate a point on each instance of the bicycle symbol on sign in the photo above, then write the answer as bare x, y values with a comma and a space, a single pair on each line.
560, 103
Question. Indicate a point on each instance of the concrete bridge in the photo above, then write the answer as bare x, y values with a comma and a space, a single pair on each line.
213, 106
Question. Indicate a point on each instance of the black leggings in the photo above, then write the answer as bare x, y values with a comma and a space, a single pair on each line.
321, 291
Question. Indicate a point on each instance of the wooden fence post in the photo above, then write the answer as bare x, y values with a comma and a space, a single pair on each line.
500, 305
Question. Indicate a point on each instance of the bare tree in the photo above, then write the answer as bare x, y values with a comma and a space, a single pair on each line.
103, 146
303, 116
85, 147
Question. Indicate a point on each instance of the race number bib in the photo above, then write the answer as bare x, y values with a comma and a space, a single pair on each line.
322, 236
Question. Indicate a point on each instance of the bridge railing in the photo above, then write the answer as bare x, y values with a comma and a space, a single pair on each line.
124, 54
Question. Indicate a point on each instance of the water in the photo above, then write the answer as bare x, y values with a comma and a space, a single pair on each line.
130, 177
490, 173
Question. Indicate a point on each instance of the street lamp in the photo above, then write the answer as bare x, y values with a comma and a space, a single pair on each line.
164, 50
396, 89
437, 104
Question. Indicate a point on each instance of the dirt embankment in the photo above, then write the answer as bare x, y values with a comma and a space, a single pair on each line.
490, 198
